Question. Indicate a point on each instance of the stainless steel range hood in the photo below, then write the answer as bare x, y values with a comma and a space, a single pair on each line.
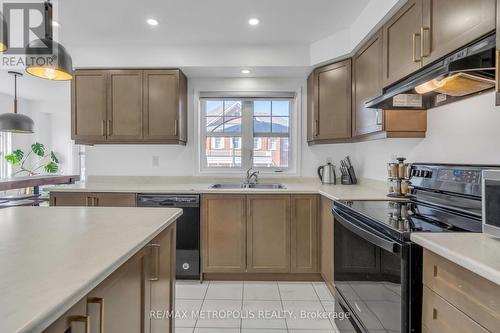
466, 72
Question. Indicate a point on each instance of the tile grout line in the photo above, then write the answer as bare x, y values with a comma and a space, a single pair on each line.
282, 305
201, 307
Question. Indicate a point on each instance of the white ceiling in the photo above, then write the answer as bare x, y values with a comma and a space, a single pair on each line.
205, 21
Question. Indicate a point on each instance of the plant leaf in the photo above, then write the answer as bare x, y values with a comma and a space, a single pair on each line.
38, 149
53, 157
15, 157
51, 167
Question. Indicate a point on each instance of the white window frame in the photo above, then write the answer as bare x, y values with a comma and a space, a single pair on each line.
5, 148
247, 134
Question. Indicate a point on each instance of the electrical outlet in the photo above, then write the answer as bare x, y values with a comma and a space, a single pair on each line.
156, 161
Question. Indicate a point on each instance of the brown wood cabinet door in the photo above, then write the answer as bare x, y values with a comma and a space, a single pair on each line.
116, 304
312, 120
124, 120
304, 234
326, 217
161, 105
268, 233
402, 39
161, 280
88, 106
114, 199
367, 84
451, 24
71, 199
333, 101
223, 230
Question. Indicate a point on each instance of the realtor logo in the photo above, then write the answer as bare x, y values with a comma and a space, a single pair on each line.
26, 22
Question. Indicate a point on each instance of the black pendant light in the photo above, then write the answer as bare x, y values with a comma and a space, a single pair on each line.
4, 36
60, 68
15, 122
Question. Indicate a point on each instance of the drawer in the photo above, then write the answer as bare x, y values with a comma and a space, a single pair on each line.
439, 316
477, 297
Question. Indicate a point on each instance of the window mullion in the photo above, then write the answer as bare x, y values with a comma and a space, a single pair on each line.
247, 135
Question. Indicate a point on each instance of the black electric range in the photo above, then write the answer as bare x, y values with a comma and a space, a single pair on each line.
377, 269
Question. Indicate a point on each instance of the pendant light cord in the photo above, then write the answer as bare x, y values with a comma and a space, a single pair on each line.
15, 93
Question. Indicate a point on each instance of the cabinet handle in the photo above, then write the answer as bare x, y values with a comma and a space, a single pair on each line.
95, 201
423, 54
109, 127
176, 127
377, 122
100, 301
497, 71
79, 319
415, 35
316, 127
434, 313
103, 125
155, 269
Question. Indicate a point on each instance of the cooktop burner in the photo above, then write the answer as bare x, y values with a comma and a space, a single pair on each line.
405, 217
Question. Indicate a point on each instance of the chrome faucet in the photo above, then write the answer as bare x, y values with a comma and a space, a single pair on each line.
250, 175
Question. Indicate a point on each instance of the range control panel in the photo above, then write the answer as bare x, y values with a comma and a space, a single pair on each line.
460, 179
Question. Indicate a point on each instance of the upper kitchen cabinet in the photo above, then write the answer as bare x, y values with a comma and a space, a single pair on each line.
425, 30
402, 40
451, 24
329, 105
367, 84
129, 106
88, 106
165, 102
124, 117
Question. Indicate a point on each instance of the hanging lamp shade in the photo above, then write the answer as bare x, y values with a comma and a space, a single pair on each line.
4, 36
15, 122
60, 66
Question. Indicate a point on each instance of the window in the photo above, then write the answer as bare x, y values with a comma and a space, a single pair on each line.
5, 148
243, 133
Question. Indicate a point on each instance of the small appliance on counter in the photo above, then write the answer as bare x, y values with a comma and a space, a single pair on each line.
398, 178
348, 175
491, 202
326, 174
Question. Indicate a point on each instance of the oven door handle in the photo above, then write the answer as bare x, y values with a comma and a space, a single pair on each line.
371, 237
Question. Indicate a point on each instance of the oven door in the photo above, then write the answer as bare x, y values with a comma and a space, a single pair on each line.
371, 275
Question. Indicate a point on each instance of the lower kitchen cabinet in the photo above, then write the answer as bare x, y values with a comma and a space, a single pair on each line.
268, 233
327, 255
260, 234
91, 199
124, 301
304, 234
456, 299
160, 284
223, 230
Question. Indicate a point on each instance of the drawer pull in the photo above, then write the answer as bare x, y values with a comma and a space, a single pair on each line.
415, 35
100, 301
155, 258
79, 319
176, 127
434, 314
435, 271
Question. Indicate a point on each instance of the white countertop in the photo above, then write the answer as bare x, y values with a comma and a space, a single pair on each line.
476, 252
365, 190
51, 257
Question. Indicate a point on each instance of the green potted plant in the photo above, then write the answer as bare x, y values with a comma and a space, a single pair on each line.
46, 161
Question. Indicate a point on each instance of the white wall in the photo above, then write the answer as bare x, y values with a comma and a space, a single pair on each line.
463, 132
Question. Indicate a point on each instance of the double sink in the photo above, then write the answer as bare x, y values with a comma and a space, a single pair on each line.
263, 186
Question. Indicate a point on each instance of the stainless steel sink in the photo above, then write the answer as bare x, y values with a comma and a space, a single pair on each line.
231, 186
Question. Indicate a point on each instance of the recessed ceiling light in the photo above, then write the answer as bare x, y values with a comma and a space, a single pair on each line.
152, 22
254, 21
245, 71
55, 24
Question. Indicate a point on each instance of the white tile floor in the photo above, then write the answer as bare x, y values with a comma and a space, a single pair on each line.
251, 297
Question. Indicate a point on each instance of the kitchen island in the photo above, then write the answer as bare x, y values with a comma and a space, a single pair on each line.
61, 263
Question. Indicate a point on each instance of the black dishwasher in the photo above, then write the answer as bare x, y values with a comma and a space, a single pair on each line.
188, 230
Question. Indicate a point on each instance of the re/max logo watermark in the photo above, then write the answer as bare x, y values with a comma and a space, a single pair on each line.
25, 24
